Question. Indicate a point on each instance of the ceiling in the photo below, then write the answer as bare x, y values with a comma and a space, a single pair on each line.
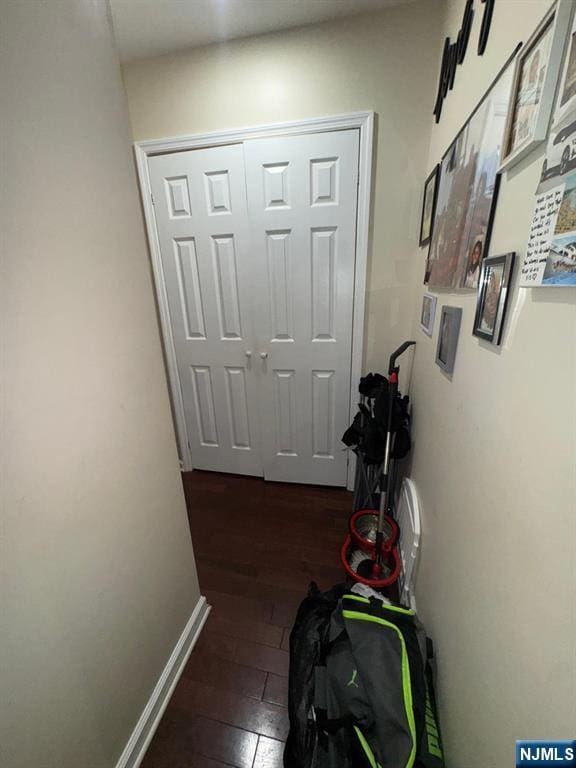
153, 27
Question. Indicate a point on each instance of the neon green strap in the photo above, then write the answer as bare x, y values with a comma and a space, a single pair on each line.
366, 601
366, 747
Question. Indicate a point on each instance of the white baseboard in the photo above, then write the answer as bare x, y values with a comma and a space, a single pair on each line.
138, 742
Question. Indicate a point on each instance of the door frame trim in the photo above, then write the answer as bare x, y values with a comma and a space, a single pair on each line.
364, 122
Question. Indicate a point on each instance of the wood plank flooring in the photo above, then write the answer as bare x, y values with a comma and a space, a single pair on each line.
257, 547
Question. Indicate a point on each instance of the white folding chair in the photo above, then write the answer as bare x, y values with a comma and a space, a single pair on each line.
408, 517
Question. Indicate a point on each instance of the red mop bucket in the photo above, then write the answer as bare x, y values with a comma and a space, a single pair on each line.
378, 575
363, 528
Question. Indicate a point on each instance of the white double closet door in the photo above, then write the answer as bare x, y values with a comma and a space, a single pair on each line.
257, 244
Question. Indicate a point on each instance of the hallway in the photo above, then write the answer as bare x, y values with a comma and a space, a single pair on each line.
257, 547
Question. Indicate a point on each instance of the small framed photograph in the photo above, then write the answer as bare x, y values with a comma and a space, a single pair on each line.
534, 86
428, 313
493, 297
448, 333
429, 206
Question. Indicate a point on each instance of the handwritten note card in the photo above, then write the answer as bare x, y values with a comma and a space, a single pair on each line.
541, 235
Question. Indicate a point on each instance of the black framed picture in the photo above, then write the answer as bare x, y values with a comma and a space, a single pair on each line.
429, 206
493, 297
468, 191
448, 334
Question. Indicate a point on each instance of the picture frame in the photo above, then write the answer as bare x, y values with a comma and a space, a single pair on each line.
566, 98
560, 157
428, 313
492, 300
448, 333
468, 186
536, 74
429, 206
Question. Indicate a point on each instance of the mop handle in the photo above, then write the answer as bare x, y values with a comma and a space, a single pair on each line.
385, 481
392, 368
386, 478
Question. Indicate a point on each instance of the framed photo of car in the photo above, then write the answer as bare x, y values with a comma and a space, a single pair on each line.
561, 151
493, 297
450, 320
429, 206
536, 76
561, 148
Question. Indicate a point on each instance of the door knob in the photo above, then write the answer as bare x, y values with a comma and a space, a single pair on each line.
263, 355
248, 353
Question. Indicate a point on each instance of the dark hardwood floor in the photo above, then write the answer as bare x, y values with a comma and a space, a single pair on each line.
257, 547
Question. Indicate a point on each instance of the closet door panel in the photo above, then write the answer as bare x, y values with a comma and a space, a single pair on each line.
202, 222
302, 198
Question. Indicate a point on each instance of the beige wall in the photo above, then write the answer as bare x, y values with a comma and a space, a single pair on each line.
385, 63
494, 460
97, 571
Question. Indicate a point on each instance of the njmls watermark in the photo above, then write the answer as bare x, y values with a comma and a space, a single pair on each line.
545, 753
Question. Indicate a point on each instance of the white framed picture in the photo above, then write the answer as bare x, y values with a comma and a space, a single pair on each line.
560, 158
535, 79
428, 313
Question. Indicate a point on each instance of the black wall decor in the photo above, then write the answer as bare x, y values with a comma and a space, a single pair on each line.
455, 52
485, 28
